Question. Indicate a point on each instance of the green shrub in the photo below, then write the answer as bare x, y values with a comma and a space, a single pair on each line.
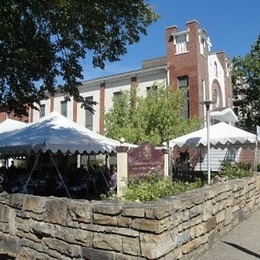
153, 188
234, 170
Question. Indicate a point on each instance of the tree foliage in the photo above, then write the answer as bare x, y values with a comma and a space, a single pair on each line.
42, 43
246, 83
155, 118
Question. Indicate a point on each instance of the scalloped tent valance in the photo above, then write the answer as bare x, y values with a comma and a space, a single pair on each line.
222, 135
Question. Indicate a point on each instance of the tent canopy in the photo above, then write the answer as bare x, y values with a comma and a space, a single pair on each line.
224, 115
11, 125
55, 133
221, 135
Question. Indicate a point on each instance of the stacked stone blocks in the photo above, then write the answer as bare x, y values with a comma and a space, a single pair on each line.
177, 227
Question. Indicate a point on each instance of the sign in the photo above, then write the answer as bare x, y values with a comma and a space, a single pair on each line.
144, 159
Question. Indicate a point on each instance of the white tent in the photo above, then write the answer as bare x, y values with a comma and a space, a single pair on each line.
221, 135
225, 114
11, 125
8, 127
55, 132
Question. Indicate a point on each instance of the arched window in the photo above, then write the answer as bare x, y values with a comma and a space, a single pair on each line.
216, 94
215, 97
216, 69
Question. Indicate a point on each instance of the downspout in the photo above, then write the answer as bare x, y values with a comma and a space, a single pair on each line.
168, 74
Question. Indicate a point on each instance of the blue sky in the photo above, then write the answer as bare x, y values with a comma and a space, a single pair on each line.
232, 25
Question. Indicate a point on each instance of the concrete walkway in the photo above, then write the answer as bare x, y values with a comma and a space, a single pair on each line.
241, 243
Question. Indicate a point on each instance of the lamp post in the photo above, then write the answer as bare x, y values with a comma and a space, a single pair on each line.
207, 104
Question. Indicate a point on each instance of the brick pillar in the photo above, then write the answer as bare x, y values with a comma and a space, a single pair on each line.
133, 82
30, 115
52, 104
170, 52
102, 108
133, 87
75, 111
2, 115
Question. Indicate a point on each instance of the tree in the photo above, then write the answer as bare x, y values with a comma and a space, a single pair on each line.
246, 83
42, 43
155, 118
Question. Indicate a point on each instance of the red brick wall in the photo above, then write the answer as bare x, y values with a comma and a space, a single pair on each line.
191, 64
27, 119
248, 156
2, 116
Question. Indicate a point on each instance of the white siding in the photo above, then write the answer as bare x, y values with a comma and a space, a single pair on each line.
145, 81
90, 91
36, 113
123, 84
117, 83
220, 78
57, 106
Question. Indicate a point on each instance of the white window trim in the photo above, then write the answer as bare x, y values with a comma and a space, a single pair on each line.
179, 34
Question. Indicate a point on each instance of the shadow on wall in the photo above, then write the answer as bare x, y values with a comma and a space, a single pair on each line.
6, 257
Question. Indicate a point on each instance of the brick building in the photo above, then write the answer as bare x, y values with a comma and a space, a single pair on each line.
189, 63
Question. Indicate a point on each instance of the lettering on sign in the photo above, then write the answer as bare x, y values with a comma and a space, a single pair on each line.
144, 159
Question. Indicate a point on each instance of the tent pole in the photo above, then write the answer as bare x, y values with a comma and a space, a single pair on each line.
30, 175
59, 175
207, 103
208, 146
104, 178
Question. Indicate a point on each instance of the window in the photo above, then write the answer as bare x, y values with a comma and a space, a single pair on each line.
228, 67
202, 45
216, 94
183, 82
203, 89
89, 114
229, 101
117, 94
216, 69
215, 97
63, 108
181, 43
183, 85
152, 88
42, 111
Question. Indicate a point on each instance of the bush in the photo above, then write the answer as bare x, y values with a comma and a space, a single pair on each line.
153, 188
233, 171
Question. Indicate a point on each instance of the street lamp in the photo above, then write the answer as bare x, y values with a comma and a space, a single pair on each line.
207, 104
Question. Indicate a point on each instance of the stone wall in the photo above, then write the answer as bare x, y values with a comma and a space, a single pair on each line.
178, 227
